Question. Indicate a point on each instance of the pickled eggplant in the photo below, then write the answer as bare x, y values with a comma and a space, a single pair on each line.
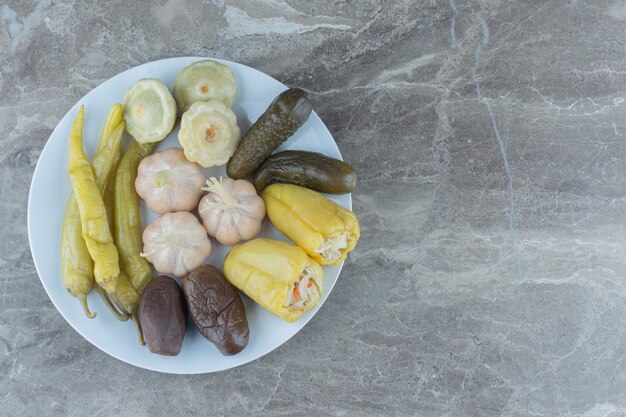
162, 315
282, 118
307, 169
216, 309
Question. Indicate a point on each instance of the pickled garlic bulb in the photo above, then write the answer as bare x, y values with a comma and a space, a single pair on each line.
168, 182
232, 211
176, 243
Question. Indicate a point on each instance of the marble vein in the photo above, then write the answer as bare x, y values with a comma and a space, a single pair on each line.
247, 26
455, 13
505, 159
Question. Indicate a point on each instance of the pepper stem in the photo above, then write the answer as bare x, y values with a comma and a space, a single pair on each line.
135, 320
119, 305
83, 301
109, 304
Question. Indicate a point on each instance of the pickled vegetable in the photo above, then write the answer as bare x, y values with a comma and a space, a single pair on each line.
149, 110
95, 227
209, 133
282, 118
76, 263
232, 211
127, 220
176, 243
204, 81
308, 169
129, 299
107, 157
114, 118
168, 182
216, 309
112, 307
114, 151
279, 276
162, 314
126, 294
323, 228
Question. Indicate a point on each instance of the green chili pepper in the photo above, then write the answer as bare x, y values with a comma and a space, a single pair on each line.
127, 219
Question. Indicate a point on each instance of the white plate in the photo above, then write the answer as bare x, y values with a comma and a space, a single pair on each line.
51, 187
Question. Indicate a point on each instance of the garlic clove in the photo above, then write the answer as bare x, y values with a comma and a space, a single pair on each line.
248, 227
212, 220
228, 235
242, 188
253, 207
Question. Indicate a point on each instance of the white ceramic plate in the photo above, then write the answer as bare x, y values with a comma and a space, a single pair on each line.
51, 188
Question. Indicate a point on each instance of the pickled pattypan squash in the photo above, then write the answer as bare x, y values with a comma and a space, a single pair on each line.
204, 81
149, 110
209, 133
232, 211
168, 182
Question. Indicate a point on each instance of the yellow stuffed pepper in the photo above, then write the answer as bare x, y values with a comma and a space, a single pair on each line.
277, 275
324, 229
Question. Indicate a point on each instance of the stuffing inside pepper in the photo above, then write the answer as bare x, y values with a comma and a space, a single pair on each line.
303, 291
333, 247
325, 230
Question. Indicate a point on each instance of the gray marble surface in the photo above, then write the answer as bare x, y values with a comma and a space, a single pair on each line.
490, 139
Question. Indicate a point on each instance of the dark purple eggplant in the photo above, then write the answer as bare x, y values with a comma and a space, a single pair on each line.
162, 316
216, 309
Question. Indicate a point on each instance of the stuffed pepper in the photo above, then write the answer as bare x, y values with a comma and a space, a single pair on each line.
324, 229
277, 275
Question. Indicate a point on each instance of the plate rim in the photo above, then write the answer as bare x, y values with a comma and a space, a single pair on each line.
29, 214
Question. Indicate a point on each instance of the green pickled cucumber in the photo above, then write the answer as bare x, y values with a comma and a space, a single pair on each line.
282, 118
307, 169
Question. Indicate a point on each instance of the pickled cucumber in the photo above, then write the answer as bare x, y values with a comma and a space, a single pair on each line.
282, 118
307, 169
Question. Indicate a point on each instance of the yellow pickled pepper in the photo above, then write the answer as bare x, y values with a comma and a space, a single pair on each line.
76, 262
265, 270
93, 215
323, 228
